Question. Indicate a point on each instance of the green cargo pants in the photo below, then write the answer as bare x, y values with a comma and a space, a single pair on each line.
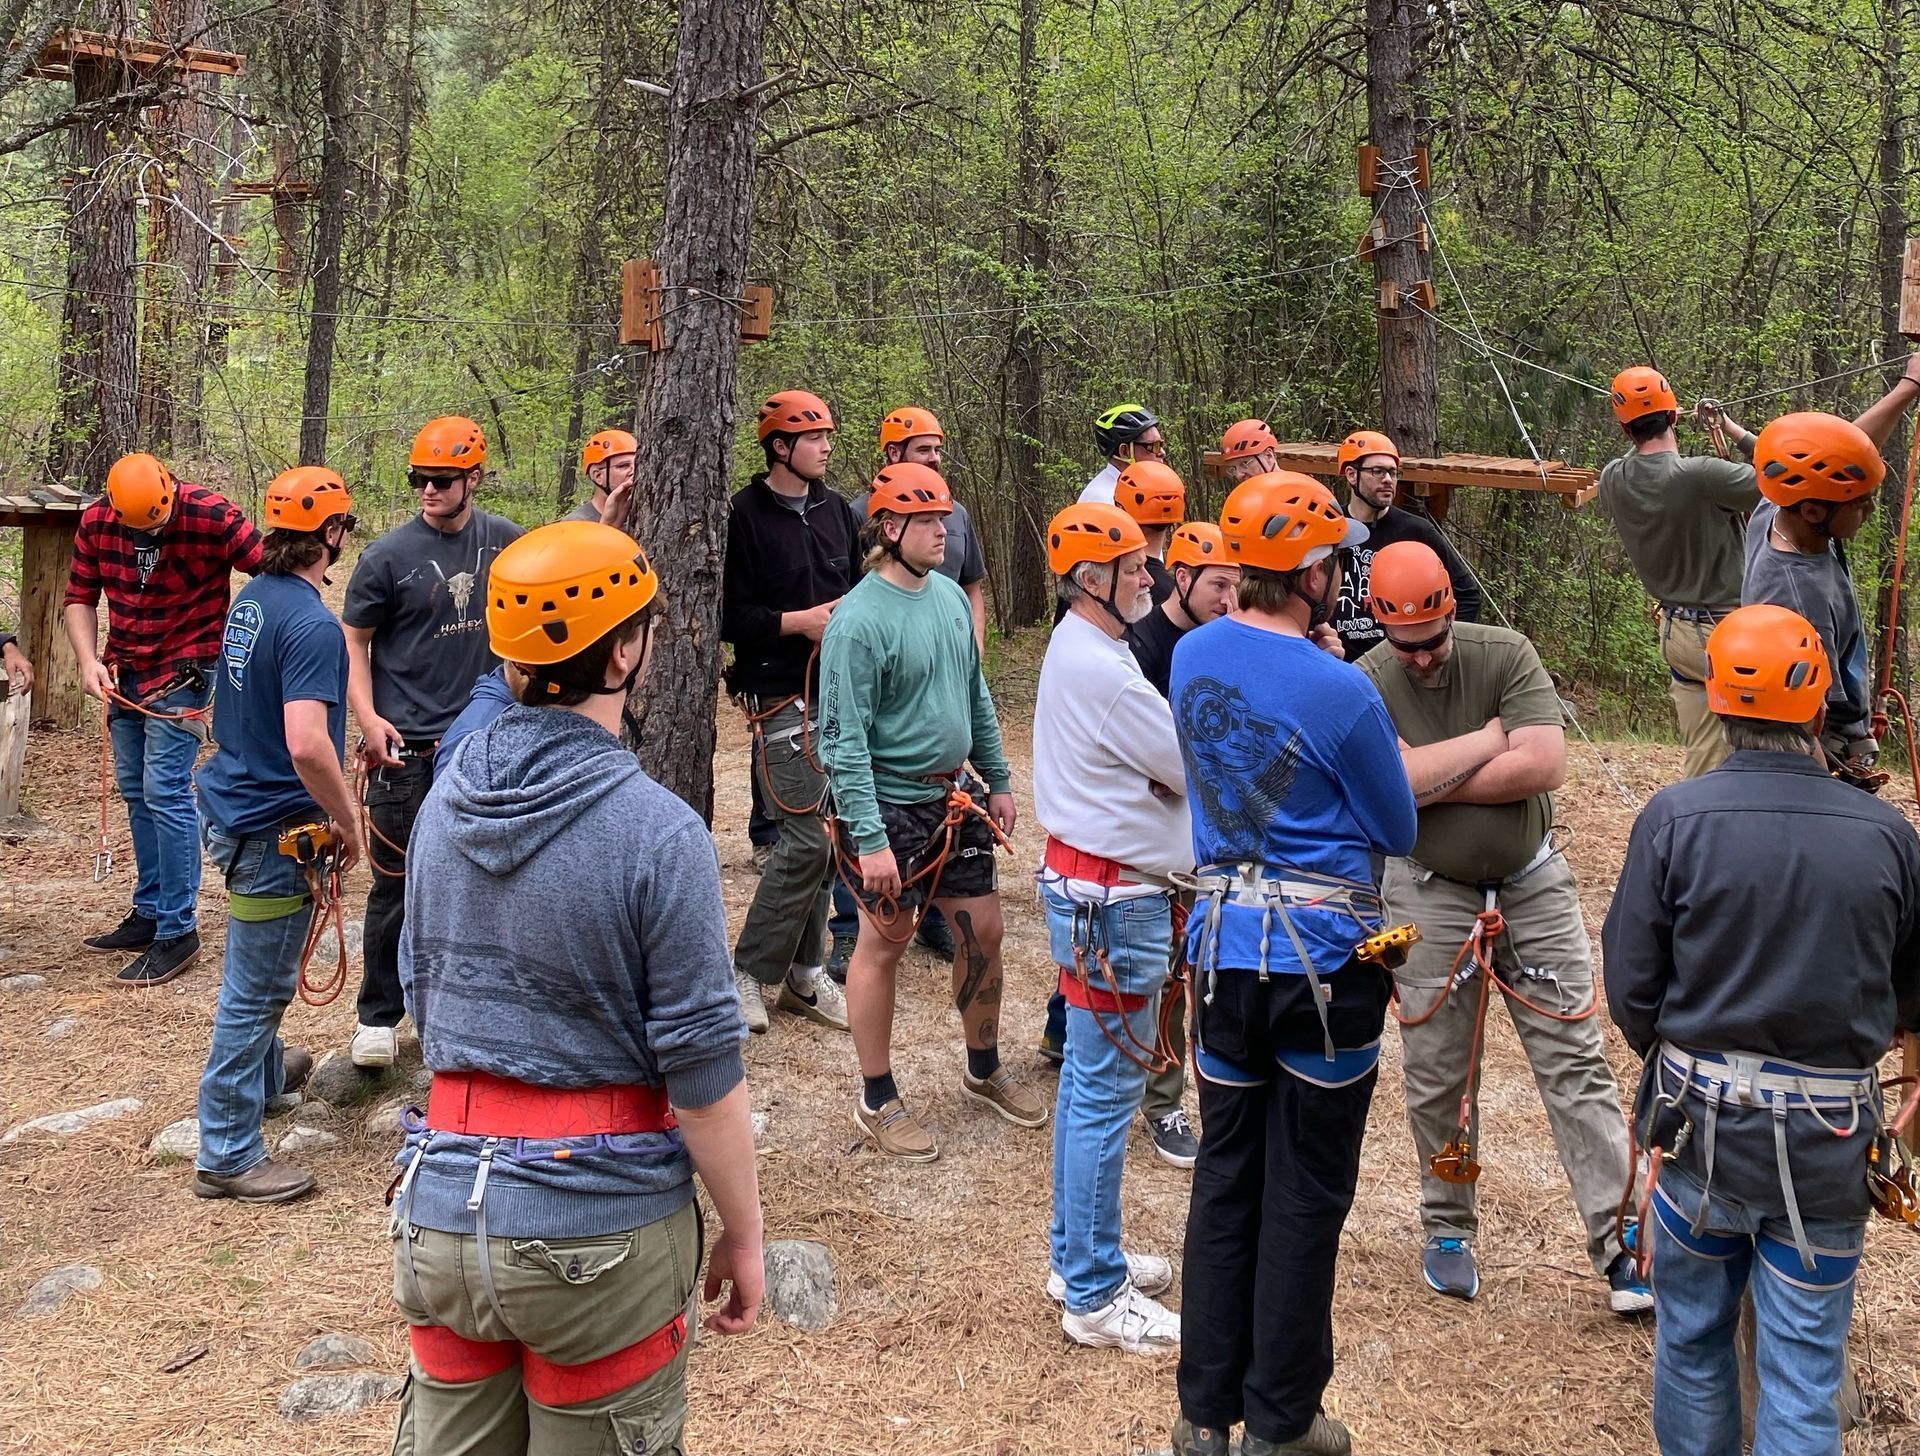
1683, 643
786, 924
569, 1301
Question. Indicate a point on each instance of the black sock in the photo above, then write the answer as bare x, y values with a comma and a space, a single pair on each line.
880, 1091
982, 1062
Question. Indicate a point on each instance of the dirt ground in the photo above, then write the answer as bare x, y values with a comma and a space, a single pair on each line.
944, 1340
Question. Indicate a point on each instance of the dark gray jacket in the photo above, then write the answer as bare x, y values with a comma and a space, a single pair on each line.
1767, 907
564, 927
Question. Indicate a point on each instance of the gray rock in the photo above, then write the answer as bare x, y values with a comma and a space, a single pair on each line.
319, 1396
422, 1080
335, 1079
385, 1121
54, 1289
283, 1104
311, 1114
325, 954
308, 1140
800, 1283
334, 1351
177, 1142
62, 1124
64, 1027
23, 983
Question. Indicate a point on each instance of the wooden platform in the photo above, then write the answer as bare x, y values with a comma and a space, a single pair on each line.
67, 47
47, 516
1574, 485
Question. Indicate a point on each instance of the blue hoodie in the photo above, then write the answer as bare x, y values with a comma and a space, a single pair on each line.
491, 697
564, 927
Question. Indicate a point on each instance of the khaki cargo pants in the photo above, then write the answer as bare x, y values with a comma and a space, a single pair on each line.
1546, 955
569, 1301
1683, 643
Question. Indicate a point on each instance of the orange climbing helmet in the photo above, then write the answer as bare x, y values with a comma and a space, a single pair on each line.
1641, 391
910, 490
1409, 585
1152, 492
1246, 438
1817, 457
909, 422
1362, 443
1091, 532
794, 412
452, 442
1282, 521
305, 498
559, 589
1764, 661
142, 492
1197, 544
606, 445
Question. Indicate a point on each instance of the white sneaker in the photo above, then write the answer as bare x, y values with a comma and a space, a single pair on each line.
1148, 1273
374, 1046
822, 1001
1134, 1322
753, 1002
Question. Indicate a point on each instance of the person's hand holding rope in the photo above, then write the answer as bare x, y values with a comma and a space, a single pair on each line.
880, 874
97, 678
379, 740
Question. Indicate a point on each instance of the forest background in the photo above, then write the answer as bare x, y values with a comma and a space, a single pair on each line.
1015, 212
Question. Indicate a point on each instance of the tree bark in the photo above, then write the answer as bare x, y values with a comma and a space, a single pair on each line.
1020, 583
1890, 261
329, 232
98, 335
1398, 125
683, 471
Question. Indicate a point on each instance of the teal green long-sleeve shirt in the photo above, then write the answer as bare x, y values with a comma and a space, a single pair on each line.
902, 697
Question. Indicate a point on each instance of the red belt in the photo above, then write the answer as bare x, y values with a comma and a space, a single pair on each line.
1089, 997
483, 1105
452, 1358
1063, 859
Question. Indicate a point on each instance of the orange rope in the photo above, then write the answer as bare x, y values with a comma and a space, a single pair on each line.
371, 831
884, 910
755, 720
327, 907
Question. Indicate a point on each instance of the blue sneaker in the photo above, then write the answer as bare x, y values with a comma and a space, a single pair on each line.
1450, 1269
1628, 1293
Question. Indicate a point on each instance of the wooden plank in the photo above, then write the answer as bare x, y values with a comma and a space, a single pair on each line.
640, 304
1368, 164
14, 713
1910, 291
756, 319
58, 56
1314, 458
45, 561
62, 518
1573, 500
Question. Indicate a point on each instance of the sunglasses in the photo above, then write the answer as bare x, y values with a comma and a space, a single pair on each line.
1156, 448
1426, 644
445, 482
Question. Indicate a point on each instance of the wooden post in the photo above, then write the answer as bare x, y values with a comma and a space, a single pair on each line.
45, 563
14, 711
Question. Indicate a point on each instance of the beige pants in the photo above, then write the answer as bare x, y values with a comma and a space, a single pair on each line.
1546, 955
1684, 646
567, 1300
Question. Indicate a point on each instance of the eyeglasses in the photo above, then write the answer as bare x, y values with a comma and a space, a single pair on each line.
1381, 470
444, 482
1426, 644
349, 524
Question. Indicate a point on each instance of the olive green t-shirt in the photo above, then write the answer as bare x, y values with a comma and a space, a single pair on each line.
1493, 673
1682, 520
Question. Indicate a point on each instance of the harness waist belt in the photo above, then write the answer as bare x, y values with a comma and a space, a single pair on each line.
1682, 613
479, 1104
1545, 852
1076, 864
1255, 884
1089, 997
1746, 1079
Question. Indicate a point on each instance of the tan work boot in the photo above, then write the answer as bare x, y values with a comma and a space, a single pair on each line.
896, 1132
1006, 1095
265, 1182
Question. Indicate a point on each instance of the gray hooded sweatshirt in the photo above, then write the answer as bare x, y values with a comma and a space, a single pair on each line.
564, 927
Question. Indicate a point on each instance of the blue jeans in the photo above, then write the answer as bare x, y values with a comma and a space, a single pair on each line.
1800, 1325
257, 980
1100, 1087
153, 766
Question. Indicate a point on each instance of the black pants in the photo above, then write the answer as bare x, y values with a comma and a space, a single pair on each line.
394, 796
1276, 1176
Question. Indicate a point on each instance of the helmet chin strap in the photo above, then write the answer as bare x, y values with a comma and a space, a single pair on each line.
893, 549
1318, 612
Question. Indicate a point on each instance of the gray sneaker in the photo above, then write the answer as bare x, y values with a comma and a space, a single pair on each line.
1449, 1268
753, 1001
823, 1002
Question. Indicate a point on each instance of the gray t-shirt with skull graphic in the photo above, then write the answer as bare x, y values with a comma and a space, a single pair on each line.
424, 594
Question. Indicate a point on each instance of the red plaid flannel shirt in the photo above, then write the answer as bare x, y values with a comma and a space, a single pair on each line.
178, 614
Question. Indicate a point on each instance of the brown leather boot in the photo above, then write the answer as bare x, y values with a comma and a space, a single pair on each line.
265, 1182
295, 1067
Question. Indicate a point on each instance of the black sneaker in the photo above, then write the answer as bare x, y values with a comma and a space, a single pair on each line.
162, 962
837, 959
133, 933
937, 937
1173, 1138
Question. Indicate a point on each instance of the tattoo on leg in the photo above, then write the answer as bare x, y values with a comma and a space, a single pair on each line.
989, 1033
976, 960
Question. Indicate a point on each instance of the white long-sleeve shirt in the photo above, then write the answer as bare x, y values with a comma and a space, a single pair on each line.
1101, 734
1099, 490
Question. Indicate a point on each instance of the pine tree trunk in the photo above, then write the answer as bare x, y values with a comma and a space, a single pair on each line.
1020, 580
98, 337
1397, 124
328, 234
1890, 263
683, 472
